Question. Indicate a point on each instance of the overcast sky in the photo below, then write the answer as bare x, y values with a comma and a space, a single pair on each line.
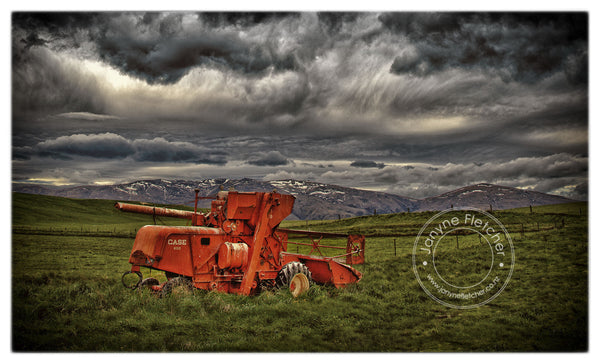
411, 103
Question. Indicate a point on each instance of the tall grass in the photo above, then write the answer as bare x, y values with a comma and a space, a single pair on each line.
67, 296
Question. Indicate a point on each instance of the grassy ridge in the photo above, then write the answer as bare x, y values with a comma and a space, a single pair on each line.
515, 220
67, 294
36, 214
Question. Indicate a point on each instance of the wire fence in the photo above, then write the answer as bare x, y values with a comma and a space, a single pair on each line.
378, 232
113, 232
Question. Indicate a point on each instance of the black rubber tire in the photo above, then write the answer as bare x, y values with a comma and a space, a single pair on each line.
134, 286
148, 282
288, 271
176, 282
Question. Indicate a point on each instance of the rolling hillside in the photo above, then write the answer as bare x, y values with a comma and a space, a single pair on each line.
314, 201
484, 195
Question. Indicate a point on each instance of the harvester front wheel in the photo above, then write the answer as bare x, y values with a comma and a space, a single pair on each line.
177, 284
296, 277
128, 282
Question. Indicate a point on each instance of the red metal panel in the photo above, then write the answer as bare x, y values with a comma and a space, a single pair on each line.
326, 270
177, 255
161, 246
355, 249
283, 205
240, 206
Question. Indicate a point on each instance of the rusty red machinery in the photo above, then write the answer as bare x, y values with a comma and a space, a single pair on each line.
237, 247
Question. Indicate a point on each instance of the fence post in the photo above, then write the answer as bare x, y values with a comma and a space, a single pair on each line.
456, 241
394, 247
522, 231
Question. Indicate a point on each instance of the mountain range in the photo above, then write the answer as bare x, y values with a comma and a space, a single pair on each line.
314, 201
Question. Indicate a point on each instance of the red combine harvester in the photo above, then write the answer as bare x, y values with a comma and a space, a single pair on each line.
237, 248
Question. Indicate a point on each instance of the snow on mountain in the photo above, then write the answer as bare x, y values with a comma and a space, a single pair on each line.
314, 201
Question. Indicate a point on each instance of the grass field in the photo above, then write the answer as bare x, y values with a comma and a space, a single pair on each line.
68, 256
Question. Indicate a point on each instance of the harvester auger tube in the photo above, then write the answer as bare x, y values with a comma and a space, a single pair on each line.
237, 247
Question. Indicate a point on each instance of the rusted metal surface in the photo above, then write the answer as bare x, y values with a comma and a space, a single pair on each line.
355, 249
313, 233
238, 248
151, 210
326, 270
233, 255
355, 244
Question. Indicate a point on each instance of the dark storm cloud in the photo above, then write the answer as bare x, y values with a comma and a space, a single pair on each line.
43, 83
60, 23
367, 164
33, 40
168, 58
272, 158
161, 150
106, 145
242, 19
113, 146
525, 47
161, 48
333, 22
155, 47
416, 103
581, 191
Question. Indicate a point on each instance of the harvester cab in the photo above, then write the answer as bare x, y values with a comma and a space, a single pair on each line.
236, 248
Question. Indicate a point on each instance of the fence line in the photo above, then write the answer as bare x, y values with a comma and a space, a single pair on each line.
511, 228
73, 232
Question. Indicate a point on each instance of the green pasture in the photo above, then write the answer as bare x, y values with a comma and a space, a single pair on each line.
68, 256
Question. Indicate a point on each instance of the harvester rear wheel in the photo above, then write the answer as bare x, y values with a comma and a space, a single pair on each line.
177, 284
296, 277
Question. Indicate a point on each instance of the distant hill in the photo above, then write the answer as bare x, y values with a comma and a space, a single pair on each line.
314, 201
485, 195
